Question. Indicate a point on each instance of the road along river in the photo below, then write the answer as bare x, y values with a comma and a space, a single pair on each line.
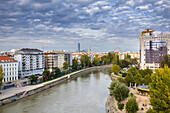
86, 93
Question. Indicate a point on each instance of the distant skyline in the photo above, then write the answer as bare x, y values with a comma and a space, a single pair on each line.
62, 24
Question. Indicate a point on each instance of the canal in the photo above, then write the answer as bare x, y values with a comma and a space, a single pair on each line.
86, 93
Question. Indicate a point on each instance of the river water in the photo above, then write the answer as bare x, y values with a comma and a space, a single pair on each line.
86, 93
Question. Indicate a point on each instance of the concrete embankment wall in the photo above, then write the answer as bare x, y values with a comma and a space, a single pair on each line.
49, 84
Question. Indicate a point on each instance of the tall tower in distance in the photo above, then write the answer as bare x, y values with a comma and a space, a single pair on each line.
78, 47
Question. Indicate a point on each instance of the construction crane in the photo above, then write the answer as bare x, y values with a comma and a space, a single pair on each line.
146, 31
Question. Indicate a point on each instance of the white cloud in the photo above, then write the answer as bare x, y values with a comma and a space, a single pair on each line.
92, 10
144, 7
114, 18
106, 7
159, 2
122, 8
100, 3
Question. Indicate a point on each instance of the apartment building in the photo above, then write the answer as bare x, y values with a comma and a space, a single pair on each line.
30, 61
153, 46
64, 56
51, 61
10, 68
55, 59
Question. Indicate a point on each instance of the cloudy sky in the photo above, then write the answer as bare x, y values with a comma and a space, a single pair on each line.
61, 24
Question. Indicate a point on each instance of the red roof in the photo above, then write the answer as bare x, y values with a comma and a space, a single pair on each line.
6, 59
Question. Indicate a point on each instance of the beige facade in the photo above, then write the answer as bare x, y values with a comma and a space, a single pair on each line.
153, 46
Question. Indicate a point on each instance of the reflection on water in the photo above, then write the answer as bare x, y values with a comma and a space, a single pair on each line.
84, 94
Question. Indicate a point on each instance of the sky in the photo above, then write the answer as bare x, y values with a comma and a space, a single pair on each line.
101, 25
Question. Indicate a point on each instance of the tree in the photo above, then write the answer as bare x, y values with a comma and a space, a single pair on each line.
132, 105
1, 76
105, 59
119, 90
65, 65
150, 111
96, 60
148, 71
124, 63
57, 71
120, 106
127, 57
33, 78
129, 78
85, 60
115, 69
160, 90
138, 79
133, 70
51, 75
46, 75
116, 59
165, 61
134, 61
147, 79
110, 56
75, 63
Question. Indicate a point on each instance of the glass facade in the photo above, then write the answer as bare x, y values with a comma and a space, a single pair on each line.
155, 50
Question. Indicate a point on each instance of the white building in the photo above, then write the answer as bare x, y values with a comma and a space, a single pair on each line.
10, 68
30, 61
153, 46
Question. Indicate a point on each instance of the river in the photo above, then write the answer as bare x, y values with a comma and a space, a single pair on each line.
86, 93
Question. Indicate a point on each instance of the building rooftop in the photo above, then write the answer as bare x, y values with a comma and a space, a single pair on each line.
6, 59
30, 50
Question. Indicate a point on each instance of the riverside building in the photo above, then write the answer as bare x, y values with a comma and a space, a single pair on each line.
30, 61
55, 59
51, 61
10, 68
153, 46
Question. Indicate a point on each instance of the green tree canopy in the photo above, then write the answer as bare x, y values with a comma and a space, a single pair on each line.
133, 70
129, 78
57, 71
145, 72
96, 60
134, 61
138, 79
132, 105
75, 63
115, 69
105, 59
124, 63
85, 60
147, 79
65, 65
33, 78
160, 90
116, 59
110, 55
119, 90
1, 76
166, 61
46, 75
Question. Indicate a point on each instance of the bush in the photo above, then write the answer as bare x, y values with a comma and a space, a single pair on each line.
132, 105
124, 74
120, 106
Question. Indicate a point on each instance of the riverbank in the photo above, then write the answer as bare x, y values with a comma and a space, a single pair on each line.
14, 94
